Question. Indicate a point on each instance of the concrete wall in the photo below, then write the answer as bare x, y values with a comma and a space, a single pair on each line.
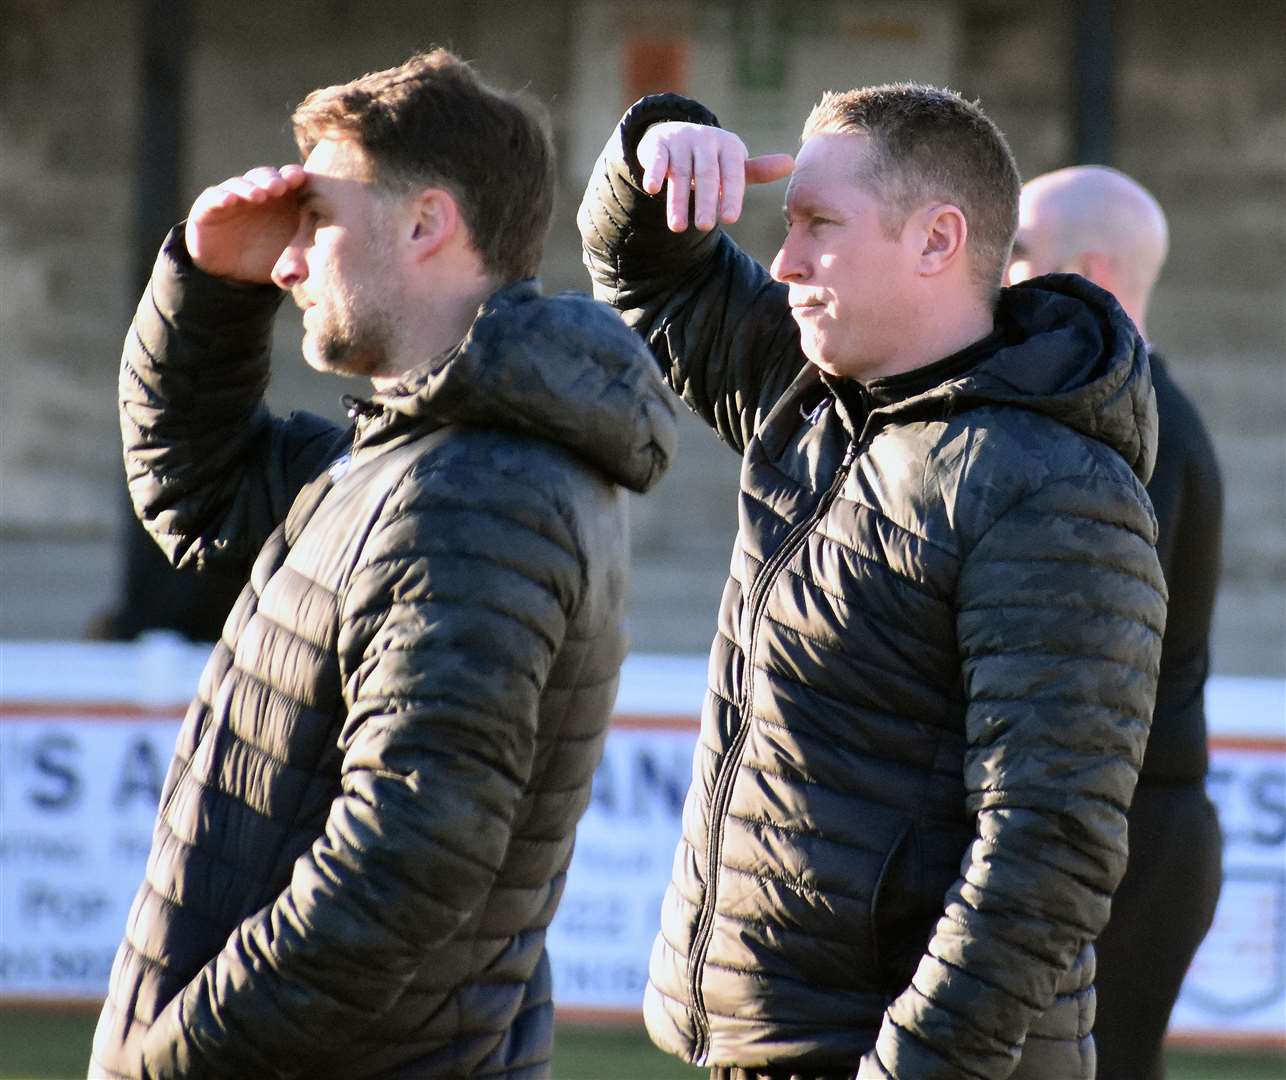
1202, 121
66, 116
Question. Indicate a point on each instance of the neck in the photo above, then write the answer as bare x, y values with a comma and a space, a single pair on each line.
940, 336
1129, 294
1137, 314
440, 324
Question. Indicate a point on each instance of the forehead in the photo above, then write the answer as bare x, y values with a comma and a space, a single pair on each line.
339, 178
828, 168
337, 159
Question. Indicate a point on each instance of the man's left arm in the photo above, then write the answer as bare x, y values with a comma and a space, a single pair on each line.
447, 635
1061, 606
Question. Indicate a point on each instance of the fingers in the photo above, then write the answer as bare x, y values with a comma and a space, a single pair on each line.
707, 182
705, 165
733, 172
679, 188
254, 187
266, 182
768, 168
655, 164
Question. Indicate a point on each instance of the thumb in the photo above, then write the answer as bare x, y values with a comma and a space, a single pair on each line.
768, 168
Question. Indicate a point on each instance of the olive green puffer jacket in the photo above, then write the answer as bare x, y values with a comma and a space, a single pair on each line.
365, 829
931, 681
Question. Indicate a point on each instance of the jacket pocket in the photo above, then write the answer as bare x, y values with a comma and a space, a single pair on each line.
902, 916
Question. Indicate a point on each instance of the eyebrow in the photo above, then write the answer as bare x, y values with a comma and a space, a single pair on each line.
805, 207
308, 199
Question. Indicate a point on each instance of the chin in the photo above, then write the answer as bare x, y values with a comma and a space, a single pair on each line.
823, 363
314, 359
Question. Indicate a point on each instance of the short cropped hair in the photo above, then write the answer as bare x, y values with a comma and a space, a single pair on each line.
433, 122
930, 144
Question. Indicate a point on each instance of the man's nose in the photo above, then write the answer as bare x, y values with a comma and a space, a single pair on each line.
291, 268
788, 266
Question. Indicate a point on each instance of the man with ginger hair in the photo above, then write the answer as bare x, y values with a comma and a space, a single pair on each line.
935, 659
1102, 224
367, 823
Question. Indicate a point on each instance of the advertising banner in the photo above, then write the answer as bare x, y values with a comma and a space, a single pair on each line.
86, 733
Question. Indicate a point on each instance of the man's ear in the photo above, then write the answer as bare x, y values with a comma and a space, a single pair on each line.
945, 231
434, 222
1098, 267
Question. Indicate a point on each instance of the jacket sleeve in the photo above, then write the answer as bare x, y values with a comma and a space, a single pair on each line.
718, 324
447, 635
1061, 607
210, 472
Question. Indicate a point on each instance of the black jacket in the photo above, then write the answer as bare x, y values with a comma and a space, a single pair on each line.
365, 829
1187, 494
932, 678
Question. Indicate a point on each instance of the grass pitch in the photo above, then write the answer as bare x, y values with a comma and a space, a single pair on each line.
42, 1043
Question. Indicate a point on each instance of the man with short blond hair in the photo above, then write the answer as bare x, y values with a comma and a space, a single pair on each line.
367, 823
1104, 225
935, 659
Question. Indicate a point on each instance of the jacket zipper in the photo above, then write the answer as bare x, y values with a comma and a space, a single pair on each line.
361, 411
722, 793
359, 407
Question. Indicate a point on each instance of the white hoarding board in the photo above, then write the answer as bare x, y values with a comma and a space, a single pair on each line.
1237, 981
600, 939
77, 799
86, 732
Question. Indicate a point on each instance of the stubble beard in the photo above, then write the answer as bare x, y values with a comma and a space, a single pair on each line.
358, 347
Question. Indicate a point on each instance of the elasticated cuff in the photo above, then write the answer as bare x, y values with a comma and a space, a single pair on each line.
656, 109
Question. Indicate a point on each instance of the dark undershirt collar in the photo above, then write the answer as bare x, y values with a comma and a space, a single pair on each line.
857, 399
890, 389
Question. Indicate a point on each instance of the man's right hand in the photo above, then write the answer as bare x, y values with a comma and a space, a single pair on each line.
709, 163
238, 229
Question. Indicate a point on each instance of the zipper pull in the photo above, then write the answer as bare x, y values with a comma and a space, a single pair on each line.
850, 455
359, 406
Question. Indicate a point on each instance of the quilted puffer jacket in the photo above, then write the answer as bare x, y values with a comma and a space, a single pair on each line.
932, 677
365, 829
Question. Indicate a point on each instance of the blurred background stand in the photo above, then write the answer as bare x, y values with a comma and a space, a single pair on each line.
1094, 82
152, 594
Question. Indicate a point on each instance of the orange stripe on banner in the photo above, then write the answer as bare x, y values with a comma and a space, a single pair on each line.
589, 1014
90, 710
53, 1004
655, 722
1248, 742
1225, 1040
100, 710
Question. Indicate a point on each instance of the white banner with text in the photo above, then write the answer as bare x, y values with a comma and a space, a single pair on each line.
86, 733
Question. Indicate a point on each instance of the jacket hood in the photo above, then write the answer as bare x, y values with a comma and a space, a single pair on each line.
1068, 350
563, 368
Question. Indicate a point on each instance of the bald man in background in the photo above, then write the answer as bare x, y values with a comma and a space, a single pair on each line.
1100, 224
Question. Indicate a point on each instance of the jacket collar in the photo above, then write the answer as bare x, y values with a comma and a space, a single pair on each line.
562, 368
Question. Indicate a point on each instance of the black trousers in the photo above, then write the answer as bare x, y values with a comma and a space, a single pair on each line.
1161, 912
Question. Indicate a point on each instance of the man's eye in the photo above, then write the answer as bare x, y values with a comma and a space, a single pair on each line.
809, 223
